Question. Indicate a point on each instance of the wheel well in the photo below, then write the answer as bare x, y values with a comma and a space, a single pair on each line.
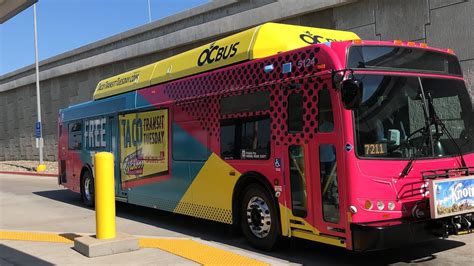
244, 181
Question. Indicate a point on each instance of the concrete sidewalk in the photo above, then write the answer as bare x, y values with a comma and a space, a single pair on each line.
167, 250
40, 253
34, 211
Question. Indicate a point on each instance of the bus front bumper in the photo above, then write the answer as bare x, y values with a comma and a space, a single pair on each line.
385, 235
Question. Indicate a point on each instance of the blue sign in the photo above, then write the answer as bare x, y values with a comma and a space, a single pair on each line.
38, 130
277, 163
451, 196
348, 147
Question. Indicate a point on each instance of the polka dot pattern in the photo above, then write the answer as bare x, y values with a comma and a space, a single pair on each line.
199, 96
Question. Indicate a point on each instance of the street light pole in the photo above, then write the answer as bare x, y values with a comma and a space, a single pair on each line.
39, 134
149, 11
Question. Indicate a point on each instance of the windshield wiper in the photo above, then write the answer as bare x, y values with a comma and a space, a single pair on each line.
431, 118
426, 113
426, 132
409, 165
437, 121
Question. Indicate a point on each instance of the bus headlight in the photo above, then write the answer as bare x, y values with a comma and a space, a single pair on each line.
380, 205
353, 209
391, 205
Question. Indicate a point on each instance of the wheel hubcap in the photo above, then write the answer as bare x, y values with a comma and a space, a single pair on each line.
258, 217
88, 189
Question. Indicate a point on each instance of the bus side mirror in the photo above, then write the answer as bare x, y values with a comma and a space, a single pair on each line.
351, 93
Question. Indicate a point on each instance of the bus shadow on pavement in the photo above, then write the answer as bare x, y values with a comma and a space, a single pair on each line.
296, 250
310, 253
11, 256
62, 195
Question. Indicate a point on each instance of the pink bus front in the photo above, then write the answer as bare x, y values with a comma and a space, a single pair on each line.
409, 143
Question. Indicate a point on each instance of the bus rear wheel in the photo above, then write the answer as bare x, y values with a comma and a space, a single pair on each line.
87, 189
259, 220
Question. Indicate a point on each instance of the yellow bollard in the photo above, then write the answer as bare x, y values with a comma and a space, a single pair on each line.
104, 195
41, 168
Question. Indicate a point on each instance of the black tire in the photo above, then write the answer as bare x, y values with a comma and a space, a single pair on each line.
87, 189
258, 205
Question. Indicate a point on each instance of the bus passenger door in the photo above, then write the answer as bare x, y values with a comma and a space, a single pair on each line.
113, 139
312, 172
299, 179
74, 148
62, 151
326, 162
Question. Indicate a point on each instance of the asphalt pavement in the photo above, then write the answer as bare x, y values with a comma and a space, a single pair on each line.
38, 204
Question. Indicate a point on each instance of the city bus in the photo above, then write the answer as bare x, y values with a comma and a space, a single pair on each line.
284, 132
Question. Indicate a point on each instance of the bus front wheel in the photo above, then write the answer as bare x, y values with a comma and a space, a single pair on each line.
259, 220
87, 189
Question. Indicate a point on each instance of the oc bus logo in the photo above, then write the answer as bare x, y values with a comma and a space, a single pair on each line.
215, 53
310, 38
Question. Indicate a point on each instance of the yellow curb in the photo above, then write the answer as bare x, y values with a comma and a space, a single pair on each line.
186, 248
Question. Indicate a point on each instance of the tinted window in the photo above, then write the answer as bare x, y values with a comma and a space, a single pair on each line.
329, 187
295, 112
402, 58
75, 136
298, 181
228, 145
252, 102
325, 116
245, 139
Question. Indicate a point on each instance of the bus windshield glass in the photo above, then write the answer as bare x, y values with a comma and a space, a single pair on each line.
405, 117
403, 58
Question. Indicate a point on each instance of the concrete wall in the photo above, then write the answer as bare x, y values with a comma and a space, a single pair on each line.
71, 77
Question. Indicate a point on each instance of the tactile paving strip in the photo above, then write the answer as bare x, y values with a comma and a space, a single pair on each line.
38, 237
186, 248
198, 252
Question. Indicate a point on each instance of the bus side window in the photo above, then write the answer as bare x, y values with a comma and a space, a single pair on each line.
245, 139
250, 102
228, 141
75, 135
295, 112
325, 116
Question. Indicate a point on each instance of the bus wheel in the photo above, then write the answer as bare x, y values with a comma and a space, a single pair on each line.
259, 220
87, 189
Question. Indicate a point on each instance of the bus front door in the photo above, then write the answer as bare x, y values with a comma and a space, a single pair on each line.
326, 167
313, 171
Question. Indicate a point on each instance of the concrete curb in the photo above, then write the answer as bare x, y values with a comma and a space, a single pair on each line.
28, 173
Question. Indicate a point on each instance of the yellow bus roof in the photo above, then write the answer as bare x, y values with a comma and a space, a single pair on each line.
258, 42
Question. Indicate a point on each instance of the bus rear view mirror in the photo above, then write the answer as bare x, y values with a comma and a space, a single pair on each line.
351, 93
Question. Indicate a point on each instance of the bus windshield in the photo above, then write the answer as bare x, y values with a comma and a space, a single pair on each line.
403, 117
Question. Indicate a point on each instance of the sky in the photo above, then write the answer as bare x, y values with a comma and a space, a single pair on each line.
64, 25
